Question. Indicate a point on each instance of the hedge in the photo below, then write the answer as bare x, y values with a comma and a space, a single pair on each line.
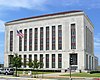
91, 72
39, 70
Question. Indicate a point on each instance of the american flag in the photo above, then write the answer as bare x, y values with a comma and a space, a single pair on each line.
20, 34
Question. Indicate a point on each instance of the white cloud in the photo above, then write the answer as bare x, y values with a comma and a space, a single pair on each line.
28, 4
96, 41
70, 2
2, 27
97, 45
88, 4
43, 4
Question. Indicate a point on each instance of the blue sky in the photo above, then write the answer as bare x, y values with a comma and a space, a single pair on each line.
15, 9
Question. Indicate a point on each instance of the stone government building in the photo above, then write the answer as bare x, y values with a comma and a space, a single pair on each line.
52, 39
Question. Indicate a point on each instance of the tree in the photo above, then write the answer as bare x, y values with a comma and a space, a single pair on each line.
35, 65
16, 62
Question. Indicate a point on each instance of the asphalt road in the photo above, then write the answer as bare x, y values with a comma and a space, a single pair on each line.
52, 76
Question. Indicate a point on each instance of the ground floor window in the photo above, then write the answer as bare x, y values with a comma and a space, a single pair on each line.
73, 59
30, 59
59, 60
47, 60
86, 62
90, 62
24, 60
10, 57
53, 60
35, 57
41, 60
20, 57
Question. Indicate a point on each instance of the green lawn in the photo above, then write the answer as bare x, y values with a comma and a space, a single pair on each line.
34, 72
83, 75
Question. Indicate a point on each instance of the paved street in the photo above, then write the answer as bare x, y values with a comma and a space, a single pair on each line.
51, 76
42, 79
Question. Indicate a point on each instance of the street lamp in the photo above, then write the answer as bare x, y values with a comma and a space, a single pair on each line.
71, 62
42, 66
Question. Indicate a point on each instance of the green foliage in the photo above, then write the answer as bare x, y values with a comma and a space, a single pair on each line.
41, 64
35, 65
30, 64
16, 61
83, 75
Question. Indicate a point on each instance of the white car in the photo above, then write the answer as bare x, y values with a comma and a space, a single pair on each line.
1, 70
8, 71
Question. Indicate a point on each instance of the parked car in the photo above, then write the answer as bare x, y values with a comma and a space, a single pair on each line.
1, 70
8, 71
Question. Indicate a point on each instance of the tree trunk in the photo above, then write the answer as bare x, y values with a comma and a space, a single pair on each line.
16, 72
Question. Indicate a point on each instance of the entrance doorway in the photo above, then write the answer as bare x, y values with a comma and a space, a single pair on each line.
73, 61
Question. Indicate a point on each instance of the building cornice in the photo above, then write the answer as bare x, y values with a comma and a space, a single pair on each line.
44, 17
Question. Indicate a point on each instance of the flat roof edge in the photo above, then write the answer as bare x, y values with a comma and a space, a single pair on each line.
45, 15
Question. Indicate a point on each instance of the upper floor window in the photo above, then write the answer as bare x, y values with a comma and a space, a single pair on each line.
59, 37
73, 36
30, 39
11, 40
41, 38
36, 39
20, 42
25, 40
47, 38
53, 38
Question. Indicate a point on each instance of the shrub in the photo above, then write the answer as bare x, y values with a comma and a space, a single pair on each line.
39, 70
91, 72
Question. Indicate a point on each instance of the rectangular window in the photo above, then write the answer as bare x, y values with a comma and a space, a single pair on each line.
35, 57
59, 60
53, 38
20, 42
25, 60
36, 39
86, 62
73, 36
30, 39
10, 58
90, 62
11, 40
41, 38
47, 60
73, 58
25, 40
47, 38
59, 37
30, 59
20, 57
41, 60
53, 60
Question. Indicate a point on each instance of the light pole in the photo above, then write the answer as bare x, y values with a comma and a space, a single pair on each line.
42, 66
71, 60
